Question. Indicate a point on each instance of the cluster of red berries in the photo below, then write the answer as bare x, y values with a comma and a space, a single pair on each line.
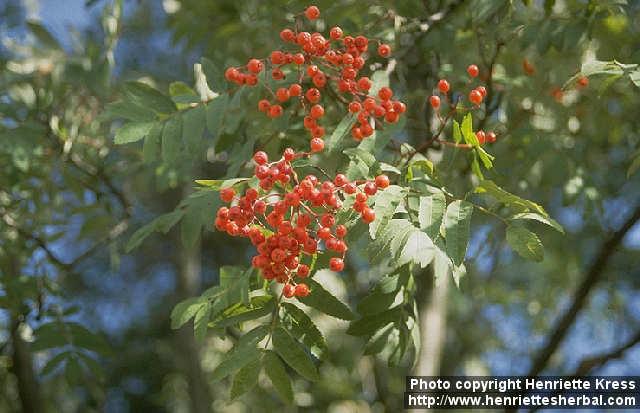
317, 64
286, 218
476, 95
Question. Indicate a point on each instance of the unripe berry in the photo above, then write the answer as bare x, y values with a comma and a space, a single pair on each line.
473, 70
443, 86
312, 12
434, 101
336, 264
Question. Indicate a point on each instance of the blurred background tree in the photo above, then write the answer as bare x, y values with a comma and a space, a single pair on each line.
84, 324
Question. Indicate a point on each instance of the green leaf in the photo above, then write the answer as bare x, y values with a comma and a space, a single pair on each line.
171, 139
294, 354
310, 334
417, 248
193, 124
151, 146
163, 223
201, 320
245, 379
457, 133
540, 218
512, 201
379, 340
43, 35
215, 112
132, 132
186, 310
260, 307
525, 243
343, 128
278, 375
485, 157
386, 202
467, 131
457, 222
390, 240
431, 213
182, 94
148, 97
54, 362
367, 326
129, 111
217, 184
236, 359
324, 301
635, 164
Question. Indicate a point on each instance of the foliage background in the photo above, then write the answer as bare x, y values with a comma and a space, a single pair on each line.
70, 199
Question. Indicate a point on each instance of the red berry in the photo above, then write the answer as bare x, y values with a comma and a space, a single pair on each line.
317, 111
368, 215
312, 12
295, 90
350, 188
302, 290
260, 157
364, 84
475, 97
313, 95
482, 90
583, 82
275, 111
327, 220
324, 233
382, 181
384, 50
282, 94
289, 154
303, 270
354, 107
370, 188
341, 231
263, 105
255, 66
335, 33
336, 264
473, 70
277, 74
317, 145
481, 137
287, 35
340, 180
491, 137
385, 93
288, 290
443, 86
231, 74
361, 197
434, 101
227, 194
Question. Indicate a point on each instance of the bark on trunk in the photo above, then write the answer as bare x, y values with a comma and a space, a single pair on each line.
189, 282
433, 328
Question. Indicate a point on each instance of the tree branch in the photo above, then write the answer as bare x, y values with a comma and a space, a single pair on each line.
591, 278
590, 363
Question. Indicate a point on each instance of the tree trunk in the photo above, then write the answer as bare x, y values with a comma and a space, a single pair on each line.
189, 283
433, 328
